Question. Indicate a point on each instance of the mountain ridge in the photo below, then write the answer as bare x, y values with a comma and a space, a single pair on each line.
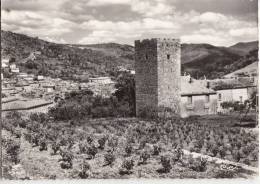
78, 60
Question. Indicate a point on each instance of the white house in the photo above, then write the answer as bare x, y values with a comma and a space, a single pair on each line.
5, 63
233, 90
101, 80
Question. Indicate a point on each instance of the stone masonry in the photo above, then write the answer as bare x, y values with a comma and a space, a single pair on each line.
158, 72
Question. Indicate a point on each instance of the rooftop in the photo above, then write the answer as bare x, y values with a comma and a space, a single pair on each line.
233, 83
190, 86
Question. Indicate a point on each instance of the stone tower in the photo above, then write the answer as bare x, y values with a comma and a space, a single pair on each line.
158, 74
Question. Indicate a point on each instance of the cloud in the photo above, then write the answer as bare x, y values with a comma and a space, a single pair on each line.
120, 31
205, 38
209, 17
33, 23
55, 40
124, 21
242, 32
107, 2
152, 8
32, 5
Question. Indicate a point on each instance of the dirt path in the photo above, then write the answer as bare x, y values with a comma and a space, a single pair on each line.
220, 161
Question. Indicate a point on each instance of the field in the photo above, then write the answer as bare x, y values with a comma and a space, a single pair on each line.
198, 147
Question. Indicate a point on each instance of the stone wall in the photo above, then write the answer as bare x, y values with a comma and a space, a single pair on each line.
146, 74
199, 106
169, 73
158, 72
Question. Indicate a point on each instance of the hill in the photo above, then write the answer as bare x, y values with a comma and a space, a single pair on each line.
249, 70
244, 47
60, 60
78, 62
215, 62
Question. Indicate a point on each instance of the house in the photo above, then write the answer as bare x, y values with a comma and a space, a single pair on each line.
13, 68
40, 77
49, 87
22, 75
197, 98
101, 80
233, 90
5, 63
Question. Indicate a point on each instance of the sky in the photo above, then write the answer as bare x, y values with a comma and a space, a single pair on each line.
216, 22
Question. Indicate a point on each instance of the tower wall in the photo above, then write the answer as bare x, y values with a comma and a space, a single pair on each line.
146, 74
169, 73
157, 77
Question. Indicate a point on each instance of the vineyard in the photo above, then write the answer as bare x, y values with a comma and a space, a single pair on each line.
126, 148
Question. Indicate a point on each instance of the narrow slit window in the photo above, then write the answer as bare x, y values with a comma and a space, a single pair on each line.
219, 97
168, 56
189, 99
146, 56
207, 99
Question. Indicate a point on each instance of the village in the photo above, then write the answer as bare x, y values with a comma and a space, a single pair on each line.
36, 93
30, 93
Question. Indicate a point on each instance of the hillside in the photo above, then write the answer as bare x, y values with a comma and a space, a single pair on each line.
249, 70
244, 47
59, 60
78, 62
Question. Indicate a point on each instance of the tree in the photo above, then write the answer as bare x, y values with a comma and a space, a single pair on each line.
126, 90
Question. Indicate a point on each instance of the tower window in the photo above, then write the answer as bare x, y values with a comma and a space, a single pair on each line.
168, 56
207, 98
146, 56
241, 99
219, 97
189, 99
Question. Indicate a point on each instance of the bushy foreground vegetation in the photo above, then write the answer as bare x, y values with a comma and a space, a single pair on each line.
82, 104
123, 148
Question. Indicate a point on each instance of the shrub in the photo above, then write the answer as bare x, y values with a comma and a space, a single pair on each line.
156, 150
199, 165
148, 112
89, 140
109, 158
83, 173
14, 115
166, 164
143, 158
126, 167
142, 143
214, 151
255, 155
66, 159
82, 147
55, 146
28, 137
224, 173
13, 149
92, 151
246, 161
22, 123
102, 142
42, 144
222, 152
236, 155
128, 150
179, 154
113, 142
35, 139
